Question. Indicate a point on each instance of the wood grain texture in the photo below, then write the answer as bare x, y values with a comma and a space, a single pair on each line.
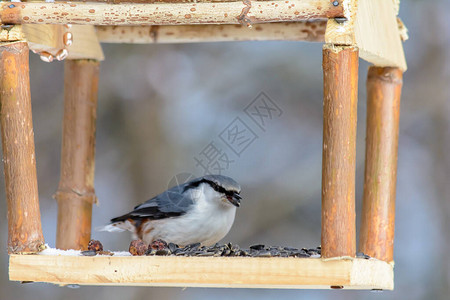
229, 12
12, 33
76, 194
237, 272
19, 159
372, 27
378, 210
292, 31
343, 33
340, 75
49, 38
377, 35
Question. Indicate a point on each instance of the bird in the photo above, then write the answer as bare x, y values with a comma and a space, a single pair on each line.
201, 210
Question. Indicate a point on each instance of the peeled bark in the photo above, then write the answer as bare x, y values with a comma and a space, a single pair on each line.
384, 86
340, 74
76, 192
19, 159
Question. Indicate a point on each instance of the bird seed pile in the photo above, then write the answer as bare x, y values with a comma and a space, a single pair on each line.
161, 248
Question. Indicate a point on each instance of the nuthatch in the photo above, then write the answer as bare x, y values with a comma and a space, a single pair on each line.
199, 211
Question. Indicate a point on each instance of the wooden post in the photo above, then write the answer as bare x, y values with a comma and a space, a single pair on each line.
340, 74
76, 192
24, 218
378, 211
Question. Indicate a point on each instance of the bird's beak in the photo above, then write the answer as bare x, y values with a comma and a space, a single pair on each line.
235, 199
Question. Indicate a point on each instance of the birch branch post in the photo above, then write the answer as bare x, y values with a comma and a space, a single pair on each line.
19, 159
378, 212
340, 75
76, 192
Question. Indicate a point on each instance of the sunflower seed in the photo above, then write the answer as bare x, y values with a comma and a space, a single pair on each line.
257, 247
172, 247
362, 255
206, 254
89, 253
162, 252
263, 253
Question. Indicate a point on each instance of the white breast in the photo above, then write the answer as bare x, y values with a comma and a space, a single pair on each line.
207, 222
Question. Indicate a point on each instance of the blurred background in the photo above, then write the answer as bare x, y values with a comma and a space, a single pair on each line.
161, 106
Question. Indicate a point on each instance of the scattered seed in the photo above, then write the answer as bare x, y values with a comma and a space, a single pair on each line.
206, 254
275, 252
263, 253
95, 245
105, 253
257, 247
158, 245
89, 253
172, 247
162, 252
362, 255
192, 247
138, 247
161, 248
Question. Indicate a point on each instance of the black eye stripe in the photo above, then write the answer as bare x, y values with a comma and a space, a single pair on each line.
214, 185
217, 187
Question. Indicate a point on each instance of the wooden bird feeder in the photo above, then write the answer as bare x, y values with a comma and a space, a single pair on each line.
73, 31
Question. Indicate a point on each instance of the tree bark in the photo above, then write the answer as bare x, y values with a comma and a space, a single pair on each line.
378, 210
223, 12
24, 218
340, 73
289, 31
76, 194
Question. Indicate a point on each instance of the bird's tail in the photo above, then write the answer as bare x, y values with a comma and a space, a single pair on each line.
126, 225
114, 227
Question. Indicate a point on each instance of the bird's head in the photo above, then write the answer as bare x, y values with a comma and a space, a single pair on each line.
227, 189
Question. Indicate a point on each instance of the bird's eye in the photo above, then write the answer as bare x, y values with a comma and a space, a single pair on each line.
218, 188
214, 186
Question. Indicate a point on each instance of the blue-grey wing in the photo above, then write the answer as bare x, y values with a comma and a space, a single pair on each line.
173, 202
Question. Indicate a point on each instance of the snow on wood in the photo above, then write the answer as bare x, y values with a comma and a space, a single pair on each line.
58, 252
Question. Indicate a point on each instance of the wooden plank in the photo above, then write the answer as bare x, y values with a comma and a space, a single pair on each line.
224, 12
372, 27
49, 38
342, 33
377, 35
293, 31
11, 33
396, 6
241, 272
19, 158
